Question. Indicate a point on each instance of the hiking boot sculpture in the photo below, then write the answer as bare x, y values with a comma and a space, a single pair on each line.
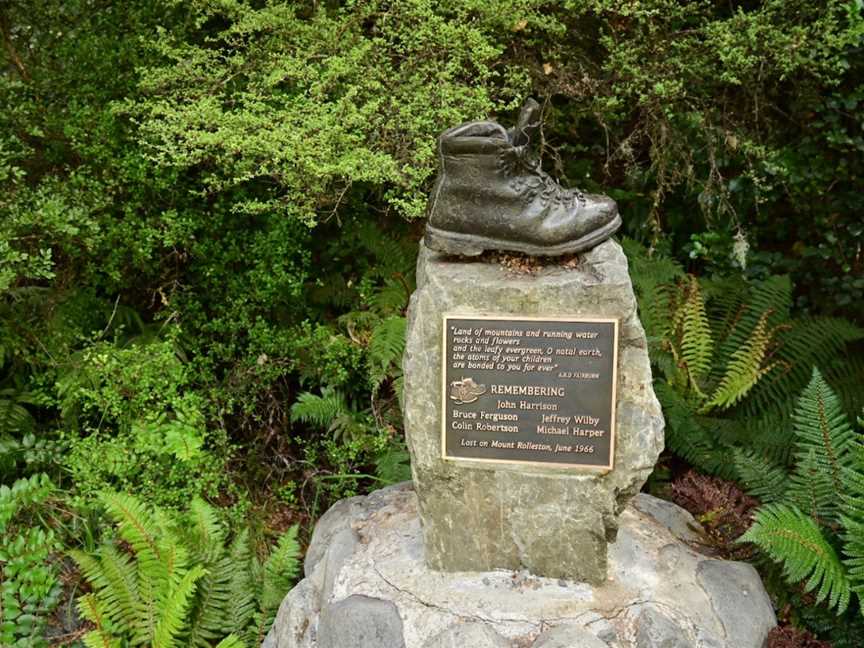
491, 194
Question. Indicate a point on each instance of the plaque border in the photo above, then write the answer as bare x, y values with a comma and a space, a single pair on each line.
615, 321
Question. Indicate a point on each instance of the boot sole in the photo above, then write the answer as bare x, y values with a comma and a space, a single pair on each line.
456, 244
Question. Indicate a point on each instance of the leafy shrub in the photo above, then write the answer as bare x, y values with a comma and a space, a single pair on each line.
177, 580
29, 586
133, 422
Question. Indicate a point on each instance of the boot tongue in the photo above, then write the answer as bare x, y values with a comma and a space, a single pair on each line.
527, 125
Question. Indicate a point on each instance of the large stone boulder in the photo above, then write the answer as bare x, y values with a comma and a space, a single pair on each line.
551, 521
367, 584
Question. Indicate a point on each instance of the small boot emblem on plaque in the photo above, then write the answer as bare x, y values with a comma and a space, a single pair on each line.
466, 391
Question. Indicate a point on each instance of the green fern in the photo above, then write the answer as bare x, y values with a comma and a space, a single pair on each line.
809, 491
179, 584
14, 417
91, 609
695, 347
818, 505
746, 366
278, 573
688, 437
759, 358
654, 277
242, 602
825, 437
763, 478
393, 465
331, 411
385, 349
792, 538
392, 297
319, 410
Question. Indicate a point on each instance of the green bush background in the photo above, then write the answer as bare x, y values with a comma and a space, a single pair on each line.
209, 209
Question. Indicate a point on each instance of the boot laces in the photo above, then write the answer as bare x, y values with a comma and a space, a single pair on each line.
526, 174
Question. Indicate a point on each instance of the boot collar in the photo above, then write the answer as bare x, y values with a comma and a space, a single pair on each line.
474, 137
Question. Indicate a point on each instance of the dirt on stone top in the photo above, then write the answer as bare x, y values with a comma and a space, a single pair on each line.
524, 264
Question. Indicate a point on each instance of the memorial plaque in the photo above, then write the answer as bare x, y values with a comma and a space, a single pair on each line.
530, 390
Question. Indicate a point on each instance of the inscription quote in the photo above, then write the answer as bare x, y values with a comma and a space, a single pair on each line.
529, 390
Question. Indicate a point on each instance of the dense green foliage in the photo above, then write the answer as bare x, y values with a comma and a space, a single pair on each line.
209, 213
731, 358
29, 587
184, 584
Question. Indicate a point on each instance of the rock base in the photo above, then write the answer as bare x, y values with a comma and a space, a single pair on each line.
367, 586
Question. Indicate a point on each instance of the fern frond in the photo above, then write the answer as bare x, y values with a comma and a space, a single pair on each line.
241, 585
280, 571
212, 605
821, 427
770, 434
811, 492
653, 279
385, 348
770, 300
231, 641
687, 438
120, 596
282, 565
789, 537
319, 410
160, 559
393, 465
853, 523
14, 417
696, 340
173, 614
135, 524
801, 345
725, 302
846, 377
391, 298
91, 610
393, 255
761, 477
207, 531
746, 366
99, 639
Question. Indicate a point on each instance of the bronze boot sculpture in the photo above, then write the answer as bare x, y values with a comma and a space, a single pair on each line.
491, 194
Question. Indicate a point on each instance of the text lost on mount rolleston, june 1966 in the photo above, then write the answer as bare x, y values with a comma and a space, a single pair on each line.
530, 390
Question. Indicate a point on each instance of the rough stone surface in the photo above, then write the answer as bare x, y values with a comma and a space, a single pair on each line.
660, 592
568, 635
360, 622
550, 521
474, 634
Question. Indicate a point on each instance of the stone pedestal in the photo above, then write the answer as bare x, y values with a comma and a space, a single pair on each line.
367, 586
549, 520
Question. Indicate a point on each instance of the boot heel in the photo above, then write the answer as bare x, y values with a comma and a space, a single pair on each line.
451, 244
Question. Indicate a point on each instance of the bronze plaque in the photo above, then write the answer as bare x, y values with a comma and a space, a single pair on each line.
530, 390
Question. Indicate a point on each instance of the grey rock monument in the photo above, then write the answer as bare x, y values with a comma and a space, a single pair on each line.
532, 425
549, 520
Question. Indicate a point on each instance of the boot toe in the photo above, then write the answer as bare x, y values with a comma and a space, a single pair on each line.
603, 208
